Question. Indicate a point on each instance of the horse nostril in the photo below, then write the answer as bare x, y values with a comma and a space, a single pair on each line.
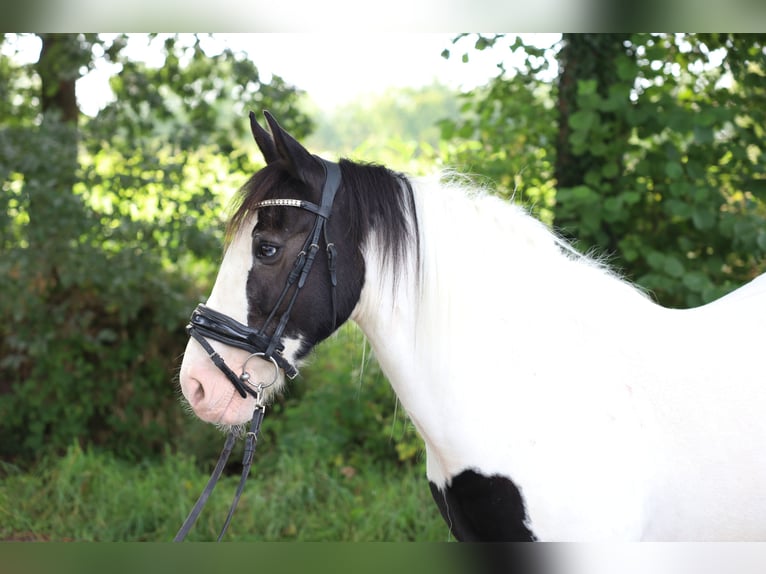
198, 395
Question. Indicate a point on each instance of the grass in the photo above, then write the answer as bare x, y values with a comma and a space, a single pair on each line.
91, 496
335, 462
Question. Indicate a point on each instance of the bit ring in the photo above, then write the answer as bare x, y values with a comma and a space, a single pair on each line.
245, 376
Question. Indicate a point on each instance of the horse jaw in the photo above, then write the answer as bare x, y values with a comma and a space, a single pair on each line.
210, 394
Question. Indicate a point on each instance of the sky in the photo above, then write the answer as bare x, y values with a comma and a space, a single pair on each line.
335, 68
332, 68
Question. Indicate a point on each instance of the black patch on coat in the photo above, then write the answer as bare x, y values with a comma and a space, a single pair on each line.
480, 508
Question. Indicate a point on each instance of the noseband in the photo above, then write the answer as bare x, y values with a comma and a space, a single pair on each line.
206, 323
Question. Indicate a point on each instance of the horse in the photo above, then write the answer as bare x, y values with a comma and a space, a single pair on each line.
556, 400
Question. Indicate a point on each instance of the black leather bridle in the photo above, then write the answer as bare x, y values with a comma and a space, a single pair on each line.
206, 323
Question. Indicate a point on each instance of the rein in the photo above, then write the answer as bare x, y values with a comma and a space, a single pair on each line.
206, 323
251, 441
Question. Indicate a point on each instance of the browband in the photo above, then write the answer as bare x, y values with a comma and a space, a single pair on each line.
331, 185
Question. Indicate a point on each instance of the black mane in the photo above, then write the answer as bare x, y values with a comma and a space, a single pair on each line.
382, 202
371, 199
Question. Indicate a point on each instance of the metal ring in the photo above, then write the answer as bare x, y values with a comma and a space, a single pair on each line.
245, 376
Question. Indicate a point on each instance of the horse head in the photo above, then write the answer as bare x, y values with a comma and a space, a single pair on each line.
288, 278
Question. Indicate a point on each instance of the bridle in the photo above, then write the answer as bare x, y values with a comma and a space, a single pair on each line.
206, 323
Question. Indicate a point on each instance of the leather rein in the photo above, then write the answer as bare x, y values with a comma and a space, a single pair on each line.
206, 323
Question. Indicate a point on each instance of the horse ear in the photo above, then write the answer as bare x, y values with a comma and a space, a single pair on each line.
299, 160
264, 141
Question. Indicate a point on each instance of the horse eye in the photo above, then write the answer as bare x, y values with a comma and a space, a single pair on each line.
266, 251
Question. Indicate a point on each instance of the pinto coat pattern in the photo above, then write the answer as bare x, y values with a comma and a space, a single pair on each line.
556, 401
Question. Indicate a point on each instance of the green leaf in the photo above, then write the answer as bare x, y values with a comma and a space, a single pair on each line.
756, 186
707, 117
695, 281
703, 134
626, 68
655, 259
673, 266
629, 250
679, 208
610, 170
674, 170
703, 219
593, 179
584, 194
636, 114
587, 87
583, 120
631, 197
482, 43
613, 210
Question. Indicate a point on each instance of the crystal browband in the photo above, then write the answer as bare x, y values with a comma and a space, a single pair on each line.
279, 202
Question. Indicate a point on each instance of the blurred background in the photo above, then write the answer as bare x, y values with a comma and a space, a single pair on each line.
119, 155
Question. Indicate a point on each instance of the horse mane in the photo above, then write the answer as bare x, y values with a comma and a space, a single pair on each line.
381, 205
498, 240
267, 183
381, 202
378, 200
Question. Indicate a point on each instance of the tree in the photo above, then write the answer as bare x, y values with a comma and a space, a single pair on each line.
656, 156
507, 129
104, 221
678, 198
59, 68
591, 57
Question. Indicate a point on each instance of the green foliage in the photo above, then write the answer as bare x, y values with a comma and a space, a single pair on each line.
506, 131
199, 97
335, 461
656, 142
398, 128
677, 195
93, 315
110, 232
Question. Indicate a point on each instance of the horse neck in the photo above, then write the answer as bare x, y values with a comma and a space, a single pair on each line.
488, 270
483, 261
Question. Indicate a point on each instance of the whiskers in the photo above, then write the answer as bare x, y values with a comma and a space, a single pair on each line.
239, 430
176, 379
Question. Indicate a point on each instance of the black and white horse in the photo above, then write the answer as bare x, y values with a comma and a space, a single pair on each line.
556, 401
